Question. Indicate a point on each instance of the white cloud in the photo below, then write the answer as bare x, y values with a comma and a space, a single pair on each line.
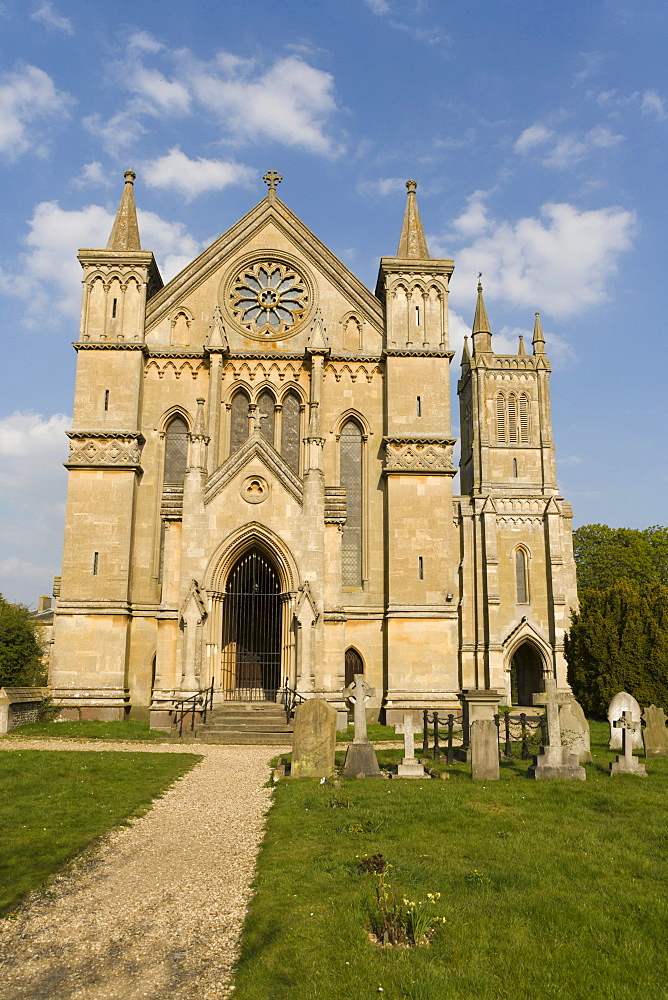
380, 7
53, 293
91, 174
565, 150
46, 16
382, 186
189, 177
652, 104
473, 219
32, 502
560, 262
27, 96
290, 102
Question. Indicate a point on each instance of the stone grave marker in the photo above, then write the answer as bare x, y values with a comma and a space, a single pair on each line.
409, 767
361, 760
655, 734
575, 729
313, 740
623, 702
626, 763
484, 750
555, 760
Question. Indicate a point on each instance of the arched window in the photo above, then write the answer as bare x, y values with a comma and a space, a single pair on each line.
521, 576
501, 418
512, 418
290, 436
351, 480
354, 665
524, 418
238, 419
266, 406
176, 450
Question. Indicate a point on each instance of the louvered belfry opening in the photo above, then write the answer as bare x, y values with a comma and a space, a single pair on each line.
251, 657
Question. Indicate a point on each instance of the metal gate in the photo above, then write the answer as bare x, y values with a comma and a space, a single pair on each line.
251, 657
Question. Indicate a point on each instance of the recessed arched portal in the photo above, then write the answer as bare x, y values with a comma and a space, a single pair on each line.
526, 674
251, 640
354, 665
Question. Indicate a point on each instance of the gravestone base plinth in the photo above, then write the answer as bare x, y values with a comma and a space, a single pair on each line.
411, 768
623, 766
557, 762
361, 762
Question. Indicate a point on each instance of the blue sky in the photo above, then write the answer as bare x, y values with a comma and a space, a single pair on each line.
536, 130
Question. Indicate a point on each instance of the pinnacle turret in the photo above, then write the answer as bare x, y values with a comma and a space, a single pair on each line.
125, 230
412, 242
481, 332
538, 338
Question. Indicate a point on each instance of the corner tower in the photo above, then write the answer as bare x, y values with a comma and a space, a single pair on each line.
89, 675
420, 542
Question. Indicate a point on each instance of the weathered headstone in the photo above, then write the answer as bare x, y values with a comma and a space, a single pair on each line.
484, 750
623, 702
655, 734
555, 760
361, 760
409, 767
575, 730
313, 740
626, 763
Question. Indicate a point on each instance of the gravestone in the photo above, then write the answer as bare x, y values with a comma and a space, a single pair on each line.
409, 767
655, 734
555, 760
575, 730
361, 760
313, 740
623, 702
626, 763
484, 750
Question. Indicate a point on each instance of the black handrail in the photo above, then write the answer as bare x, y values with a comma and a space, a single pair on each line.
290, 699
185, 706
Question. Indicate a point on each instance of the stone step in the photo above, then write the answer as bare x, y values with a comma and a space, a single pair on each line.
246, 729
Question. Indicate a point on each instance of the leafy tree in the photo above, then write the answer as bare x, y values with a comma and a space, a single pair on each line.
604, 555
618, 641
20, 647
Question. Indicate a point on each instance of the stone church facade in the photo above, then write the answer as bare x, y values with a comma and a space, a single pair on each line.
260, 484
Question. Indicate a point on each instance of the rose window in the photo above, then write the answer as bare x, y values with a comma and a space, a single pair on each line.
269, 298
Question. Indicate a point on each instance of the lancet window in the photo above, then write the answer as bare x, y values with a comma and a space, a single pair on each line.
351, 479
521, 576
238, 419
290, 430
266, 405
176, 450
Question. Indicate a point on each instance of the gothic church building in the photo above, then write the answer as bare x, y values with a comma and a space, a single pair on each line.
260, 484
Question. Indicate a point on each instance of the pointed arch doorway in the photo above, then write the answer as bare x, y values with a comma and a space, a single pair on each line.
526, 674
252, 630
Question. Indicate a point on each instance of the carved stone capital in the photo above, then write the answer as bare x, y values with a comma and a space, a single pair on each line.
420, 455
104, 449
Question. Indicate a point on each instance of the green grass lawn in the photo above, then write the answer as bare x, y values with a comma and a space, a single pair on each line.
54, 803
550, 889
127, 729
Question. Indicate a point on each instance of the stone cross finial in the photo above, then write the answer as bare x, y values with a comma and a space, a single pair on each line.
628, 726
407, 730
552, 699
359, 692
272, 179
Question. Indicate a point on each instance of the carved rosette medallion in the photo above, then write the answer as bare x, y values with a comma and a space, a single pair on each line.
403, 454
100, 449
269, 298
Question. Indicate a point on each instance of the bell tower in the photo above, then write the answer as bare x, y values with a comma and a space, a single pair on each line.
104, 464
517, 567
421, 555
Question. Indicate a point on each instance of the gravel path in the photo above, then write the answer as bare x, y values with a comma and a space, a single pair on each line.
156, 911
